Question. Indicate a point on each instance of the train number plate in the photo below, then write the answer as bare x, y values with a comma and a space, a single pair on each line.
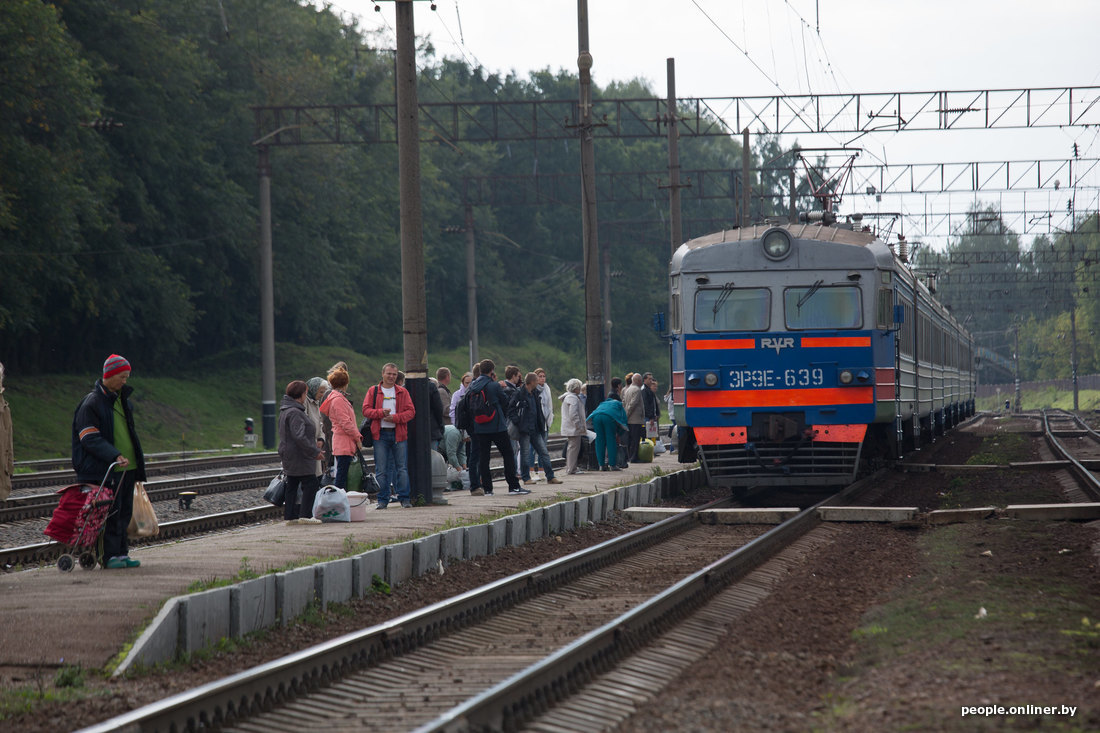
739, 378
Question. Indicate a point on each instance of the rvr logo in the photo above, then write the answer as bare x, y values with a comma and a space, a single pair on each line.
777, 343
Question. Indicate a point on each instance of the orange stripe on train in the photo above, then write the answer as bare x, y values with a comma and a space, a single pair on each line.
781, 397
811, 342
702, 344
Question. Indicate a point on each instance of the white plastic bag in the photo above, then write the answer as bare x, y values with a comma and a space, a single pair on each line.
457, 480
658, 447
332, 505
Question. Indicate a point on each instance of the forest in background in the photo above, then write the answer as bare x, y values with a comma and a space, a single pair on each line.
129, 214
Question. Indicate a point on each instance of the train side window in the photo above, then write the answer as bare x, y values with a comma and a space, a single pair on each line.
823, 307
885, 308
732, 309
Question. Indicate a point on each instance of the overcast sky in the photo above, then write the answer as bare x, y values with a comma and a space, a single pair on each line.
732, 48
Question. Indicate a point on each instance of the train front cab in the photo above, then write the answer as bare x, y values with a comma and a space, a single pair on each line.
777, 408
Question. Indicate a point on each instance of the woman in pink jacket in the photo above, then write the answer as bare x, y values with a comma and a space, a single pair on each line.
346, 441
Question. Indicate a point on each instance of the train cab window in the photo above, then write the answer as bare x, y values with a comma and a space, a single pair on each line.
823, 307
732, 309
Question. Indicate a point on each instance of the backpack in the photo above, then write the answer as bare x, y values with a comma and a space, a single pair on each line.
463, 421
481, 410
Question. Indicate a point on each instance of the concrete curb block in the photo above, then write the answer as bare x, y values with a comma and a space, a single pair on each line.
192, 622
1084, 510
158, 643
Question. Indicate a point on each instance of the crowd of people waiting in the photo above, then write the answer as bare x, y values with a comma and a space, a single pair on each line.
320, 435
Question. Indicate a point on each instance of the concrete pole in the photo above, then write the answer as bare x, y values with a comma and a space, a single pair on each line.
593, 317
1073, 348
1016, 364
413, 300
677, 232
605, 304
267, 305
471, 285
746, 186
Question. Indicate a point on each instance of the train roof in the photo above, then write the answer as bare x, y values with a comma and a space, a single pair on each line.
798, 231
707, 252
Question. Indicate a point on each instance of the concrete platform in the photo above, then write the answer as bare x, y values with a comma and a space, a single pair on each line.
867, 513
1082, 511
118, 604
748, 515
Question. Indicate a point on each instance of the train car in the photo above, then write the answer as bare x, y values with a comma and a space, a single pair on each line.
805, 353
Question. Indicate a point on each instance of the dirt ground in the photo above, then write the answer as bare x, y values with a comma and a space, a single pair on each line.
887, 629
900, 629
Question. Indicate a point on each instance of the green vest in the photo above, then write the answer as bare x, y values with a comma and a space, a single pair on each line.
123, 443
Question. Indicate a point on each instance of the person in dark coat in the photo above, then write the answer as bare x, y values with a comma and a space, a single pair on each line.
527, 415
493, 432
435, 414
299, 451
103, 433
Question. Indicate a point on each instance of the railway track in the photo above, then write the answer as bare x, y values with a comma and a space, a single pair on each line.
52, 473
498, 657
1073, 441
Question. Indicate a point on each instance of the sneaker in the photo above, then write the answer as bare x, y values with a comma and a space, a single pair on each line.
406, 504
616, 468
517, 492
553, 481
477, 492
290, 522
488, 493
382, 505
604, 468
309, 520
119, 563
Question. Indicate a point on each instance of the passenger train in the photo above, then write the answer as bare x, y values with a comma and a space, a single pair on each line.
805, 353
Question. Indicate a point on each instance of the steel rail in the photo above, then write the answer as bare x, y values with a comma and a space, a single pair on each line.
42, 505
45, 552
519, 699
1085, 478
267, 685
62, 463
64, 477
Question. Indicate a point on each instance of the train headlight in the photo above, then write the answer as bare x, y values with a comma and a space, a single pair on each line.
711, 379
846, 377
777, 244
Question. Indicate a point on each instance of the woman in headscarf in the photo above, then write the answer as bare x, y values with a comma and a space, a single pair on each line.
316, 389
572, 423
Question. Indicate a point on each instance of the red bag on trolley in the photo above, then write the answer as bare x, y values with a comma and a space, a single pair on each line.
80, 514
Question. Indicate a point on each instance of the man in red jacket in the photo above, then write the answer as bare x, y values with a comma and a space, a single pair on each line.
390, 409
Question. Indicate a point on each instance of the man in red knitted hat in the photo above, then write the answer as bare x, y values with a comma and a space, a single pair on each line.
103, 433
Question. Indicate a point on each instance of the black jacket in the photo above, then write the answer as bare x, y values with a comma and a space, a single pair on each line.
297, 439
94, 434
651, 406
435, 409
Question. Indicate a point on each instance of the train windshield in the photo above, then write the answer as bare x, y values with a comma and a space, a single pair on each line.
732, 309
818, 307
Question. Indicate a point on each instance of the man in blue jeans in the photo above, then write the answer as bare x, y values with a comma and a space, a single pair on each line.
526, 412
390, 409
